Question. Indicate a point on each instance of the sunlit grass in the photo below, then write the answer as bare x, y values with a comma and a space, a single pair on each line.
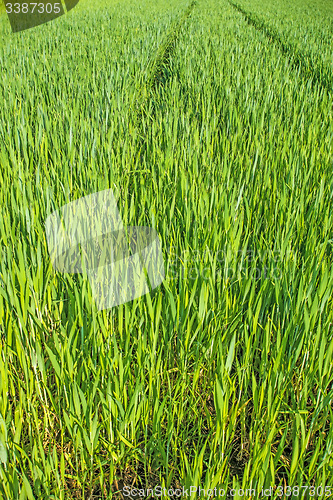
223, 375
303, 28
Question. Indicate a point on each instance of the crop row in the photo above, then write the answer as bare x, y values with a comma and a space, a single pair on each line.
301, 30
158, 70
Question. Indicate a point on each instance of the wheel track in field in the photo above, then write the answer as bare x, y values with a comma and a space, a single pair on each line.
318, 73
159, 71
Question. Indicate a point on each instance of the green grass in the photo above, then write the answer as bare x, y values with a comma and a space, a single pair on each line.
303, 29
222, 376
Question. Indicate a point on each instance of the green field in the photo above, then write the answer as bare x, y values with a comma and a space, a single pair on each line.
212, 122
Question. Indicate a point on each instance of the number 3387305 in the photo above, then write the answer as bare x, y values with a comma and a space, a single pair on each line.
31, 8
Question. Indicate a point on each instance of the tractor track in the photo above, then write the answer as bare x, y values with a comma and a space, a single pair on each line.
318, 74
